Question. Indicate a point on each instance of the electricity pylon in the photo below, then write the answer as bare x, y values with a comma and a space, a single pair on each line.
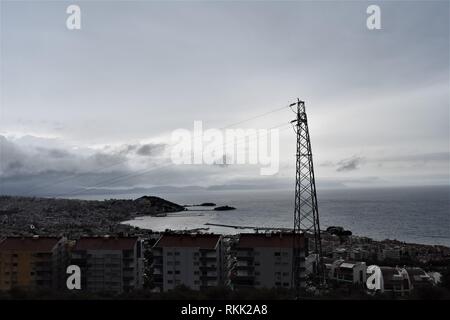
306, 214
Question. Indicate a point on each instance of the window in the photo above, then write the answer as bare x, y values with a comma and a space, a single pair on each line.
285, 274
169, 253
169, 281
169, 272
177, 253
177, 271
276, 254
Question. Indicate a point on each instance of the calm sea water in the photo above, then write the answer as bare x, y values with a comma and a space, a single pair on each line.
418, 215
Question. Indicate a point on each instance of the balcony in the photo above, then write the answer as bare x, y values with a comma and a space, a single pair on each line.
211, 274
243, 273
242, 263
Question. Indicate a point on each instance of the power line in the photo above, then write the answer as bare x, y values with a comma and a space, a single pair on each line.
124, 177
74, 176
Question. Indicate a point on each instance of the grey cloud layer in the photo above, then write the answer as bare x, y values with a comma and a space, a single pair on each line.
141, 69
29, 159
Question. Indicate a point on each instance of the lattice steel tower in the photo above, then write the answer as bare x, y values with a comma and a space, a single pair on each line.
306, 214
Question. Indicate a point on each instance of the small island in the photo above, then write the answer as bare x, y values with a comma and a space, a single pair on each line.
207, 204
224, 208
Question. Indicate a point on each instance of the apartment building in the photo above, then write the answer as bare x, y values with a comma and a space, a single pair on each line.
265, 260
347, 272
32, 263
193, 260
109, 264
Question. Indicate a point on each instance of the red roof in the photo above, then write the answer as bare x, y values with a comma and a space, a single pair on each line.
272, 240
106, 243
35, 244
202, 241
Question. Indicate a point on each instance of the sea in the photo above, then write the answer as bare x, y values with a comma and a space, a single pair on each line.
409, 214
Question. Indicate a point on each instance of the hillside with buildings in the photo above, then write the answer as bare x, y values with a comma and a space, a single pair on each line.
40, 238
24, 216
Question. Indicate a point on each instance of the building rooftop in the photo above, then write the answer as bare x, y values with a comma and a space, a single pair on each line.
268, 240
202, 241
347, 265
34, 244
106, 243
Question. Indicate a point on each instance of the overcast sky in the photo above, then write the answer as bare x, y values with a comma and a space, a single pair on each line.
84, 107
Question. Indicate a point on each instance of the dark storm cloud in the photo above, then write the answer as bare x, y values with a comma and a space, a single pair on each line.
350, 164
101, 160
150, 149
28, 168
146, 149
355, 162
29, 159
57, 153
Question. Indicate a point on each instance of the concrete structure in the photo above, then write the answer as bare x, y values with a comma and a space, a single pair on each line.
347, 272
194, 260
32, 263
109, 264
265, 260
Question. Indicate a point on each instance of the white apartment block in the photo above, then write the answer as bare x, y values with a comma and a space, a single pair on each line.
193, 260
265, 260
347, 272
109, 264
